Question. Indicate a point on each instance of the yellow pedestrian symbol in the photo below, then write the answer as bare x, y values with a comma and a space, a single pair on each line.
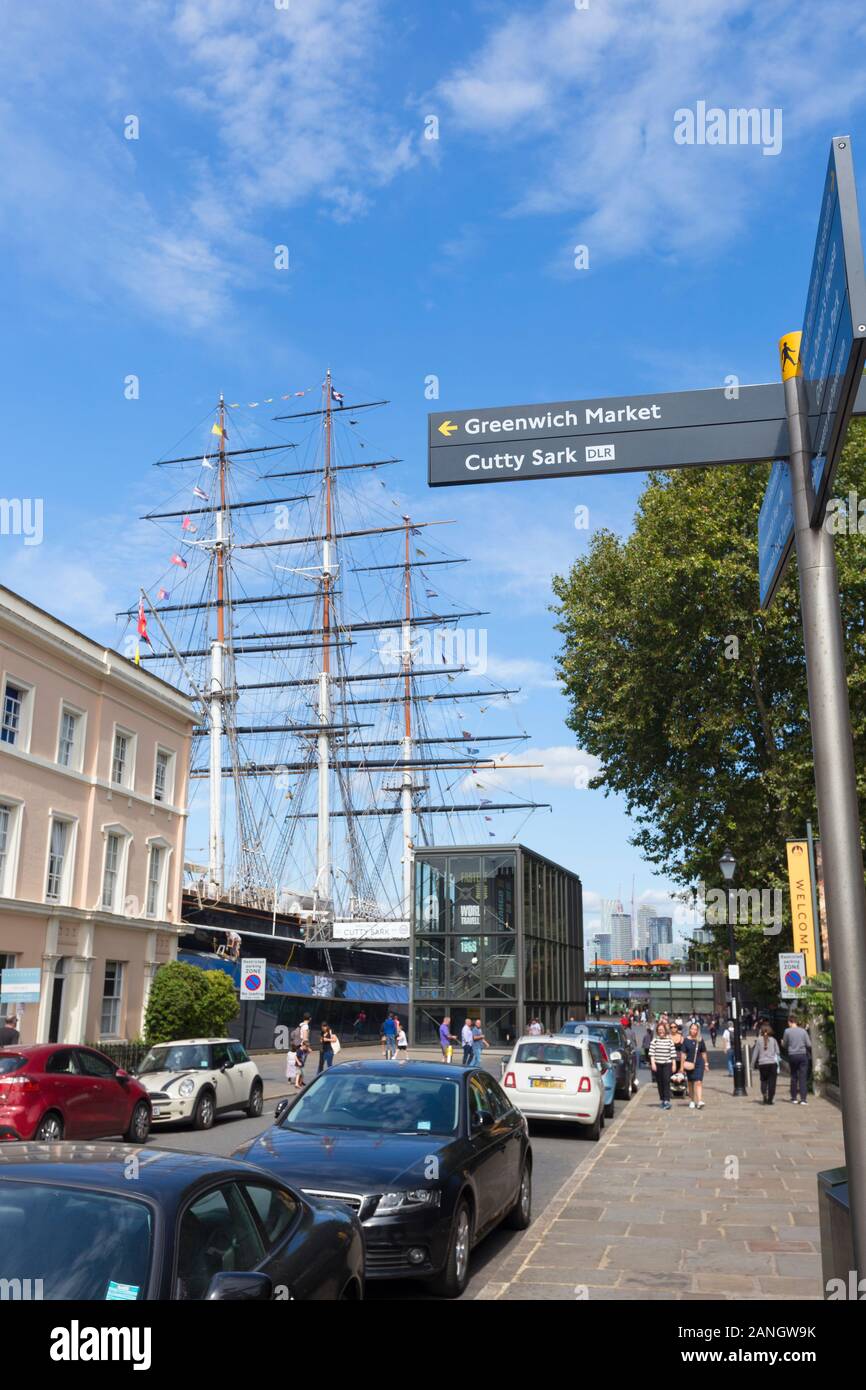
789, 354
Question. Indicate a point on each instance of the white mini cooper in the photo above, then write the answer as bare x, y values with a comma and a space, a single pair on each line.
197, 1079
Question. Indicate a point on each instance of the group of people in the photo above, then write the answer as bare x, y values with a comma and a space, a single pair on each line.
472, 1040
672, 1053
300, 1049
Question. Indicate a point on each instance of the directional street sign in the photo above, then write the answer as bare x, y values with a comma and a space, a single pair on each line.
614, 434
833, 348
775, 531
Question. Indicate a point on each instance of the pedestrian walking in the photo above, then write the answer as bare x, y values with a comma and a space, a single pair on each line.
389, 1037
295, 1064
798, 1045
766, 1057
645, 1046
714, 1030
693, 1060
402, 1044
328, 1039
359, 1025
535, 1030
468, 1042
446, 1038
728, 1043
9, 1034
479, 1042
662, 1054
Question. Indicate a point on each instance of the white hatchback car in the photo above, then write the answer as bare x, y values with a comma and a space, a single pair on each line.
555, 1077
197, 1079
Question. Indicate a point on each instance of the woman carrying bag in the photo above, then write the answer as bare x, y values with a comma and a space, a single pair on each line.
767, 1058
693, 1051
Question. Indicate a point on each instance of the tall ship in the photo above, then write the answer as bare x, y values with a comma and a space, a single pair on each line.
345, 716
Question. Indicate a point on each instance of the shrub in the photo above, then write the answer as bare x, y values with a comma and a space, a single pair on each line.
817, 994
188, 1002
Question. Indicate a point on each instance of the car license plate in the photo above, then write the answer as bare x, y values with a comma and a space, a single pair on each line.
160, 1109
546, 1081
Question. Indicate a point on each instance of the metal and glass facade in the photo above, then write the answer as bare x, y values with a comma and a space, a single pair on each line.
497, 934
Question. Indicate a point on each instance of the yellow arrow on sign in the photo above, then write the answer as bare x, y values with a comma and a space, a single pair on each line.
448, 427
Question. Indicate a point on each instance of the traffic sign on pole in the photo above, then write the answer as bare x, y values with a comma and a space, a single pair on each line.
253, 977
792, 974
833, 348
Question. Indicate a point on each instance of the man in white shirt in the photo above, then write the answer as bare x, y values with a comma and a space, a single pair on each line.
535, 1028
468, 1041
728, 1040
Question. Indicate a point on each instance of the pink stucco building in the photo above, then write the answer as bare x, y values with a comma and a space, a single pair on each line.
94, 760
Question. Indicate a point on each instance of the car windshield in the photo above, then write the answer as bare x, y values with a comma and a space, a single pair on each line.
176, 1057
378, 1104
70, 1243
556, 1054
9, 1062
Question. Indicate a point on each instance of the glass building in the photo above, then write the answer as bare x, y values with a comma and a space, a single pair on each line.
497, 934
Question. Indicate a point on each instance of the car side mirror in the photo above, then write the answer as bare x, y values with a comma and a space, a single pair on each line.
122, 1076
482, 1121
281, 1108
240, 1286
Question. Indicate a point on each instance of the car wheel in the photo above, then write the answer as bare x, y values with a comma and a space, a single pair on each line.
452, 1280
609, 1109
593, 1131
50, 1129
203, 1114
520, 1215
257, 1100
139, 1124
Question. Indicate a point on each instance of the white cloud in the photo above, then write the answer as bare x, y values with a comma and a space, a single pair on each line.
559, 766
246, 111
590, 130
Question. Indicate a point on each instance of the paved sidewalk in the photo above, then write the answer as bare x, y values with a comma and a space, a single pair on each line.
719, 1203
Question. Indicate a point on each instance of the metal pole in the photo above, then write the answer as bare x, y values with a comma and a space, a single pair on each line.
838, 810
739, 1069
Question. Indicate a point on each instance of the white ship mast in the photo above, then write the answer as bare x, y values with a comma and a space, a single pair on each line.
216, 855
323, 895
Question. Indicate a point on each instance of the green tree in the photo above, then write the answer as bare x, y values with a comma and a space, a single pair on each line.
188, 1002
692, 698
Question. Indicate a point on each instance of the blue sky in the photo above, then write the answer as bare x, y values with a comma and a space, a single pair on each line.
305, 126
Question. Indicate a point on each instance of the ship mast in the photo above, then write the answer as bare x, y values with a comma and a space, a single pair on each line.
216, 851
323, 840
406, 788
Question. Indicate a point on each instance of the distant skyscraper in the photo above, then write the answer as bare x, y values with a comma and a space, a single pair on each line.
620, 936
601, 946
643, 933
661, 931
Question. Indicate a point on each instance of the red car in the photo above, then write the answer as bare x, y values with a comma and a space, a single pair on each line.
54, 1091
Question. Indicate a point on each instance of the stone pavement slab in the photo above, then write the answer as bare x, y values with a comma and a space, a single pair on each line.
719, 1203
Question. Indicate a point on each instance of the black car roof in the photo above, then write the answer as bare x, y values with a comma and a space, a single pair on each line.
441, 1070
105, 1165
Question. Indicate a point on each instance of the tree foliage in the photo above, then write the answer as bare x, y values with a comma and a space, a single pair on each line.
188, 1002
692, 698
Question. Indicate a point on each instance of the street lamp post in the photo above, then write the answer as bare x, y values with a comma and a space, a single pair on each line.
728, 866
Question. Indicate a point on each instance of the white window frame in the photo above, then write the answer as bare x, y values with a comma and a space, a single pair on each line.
167, 798
68, 875
76, 762
115, 999
160, 914
129, 783
28, 690
125, 837
9, 871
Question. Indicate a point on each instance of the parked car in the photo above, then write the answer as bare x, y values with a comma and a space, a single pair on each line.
431, 1157
191, 1226
620, 1047
556, 1077
608, 1074
197, 1079
52, 1091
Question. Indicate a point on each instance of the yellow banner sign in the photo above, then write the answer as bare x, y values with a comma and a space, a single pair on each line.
802, 915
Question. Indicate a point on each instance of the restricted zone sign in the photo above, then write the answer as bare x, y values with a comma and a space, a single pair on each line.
792, 973
253, 977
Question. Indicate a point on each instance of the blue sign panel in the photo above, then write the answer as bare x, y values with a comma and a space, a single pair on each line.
775, 530
20, 986
833, 348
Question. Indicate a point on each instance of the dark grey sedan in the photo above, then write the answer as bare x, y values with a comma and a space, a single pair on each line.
117, 1222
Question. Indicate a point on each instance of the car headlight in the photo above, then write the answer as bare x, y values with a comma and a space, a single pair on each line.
186, 1087
616, 1056
399, 1201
